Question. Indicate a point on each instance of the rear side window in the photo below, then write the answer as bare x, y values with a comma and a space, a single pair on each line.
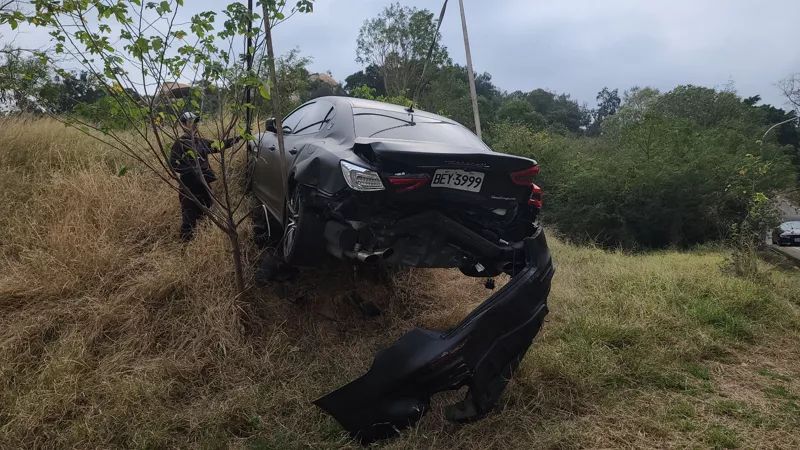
291, 121
377, 123
318, 114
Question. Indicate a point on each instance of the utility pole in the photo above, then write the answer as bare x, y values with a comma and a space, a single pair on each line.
470, 73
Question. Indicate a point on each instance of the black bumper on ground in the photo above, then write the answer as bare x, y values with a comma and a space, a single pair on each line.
481, 352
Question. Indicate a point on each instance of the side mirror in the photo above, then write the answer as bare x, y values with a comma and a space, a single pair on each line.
271, 127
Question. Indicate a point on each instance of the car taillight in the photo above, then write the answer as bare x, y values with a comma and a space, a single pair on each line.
525, 177
405, 183
536, 196
360, 178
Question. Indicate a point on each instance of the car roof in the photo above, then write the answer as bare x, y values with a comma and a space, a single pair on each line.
373, 104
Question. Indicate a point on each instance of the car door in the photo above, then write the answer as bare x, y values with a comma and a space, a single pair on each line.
307, 129
267, 182
300, 128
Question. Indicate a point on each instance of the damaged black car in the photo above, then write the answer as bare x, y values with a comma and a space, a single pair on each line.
370, 181
378, 183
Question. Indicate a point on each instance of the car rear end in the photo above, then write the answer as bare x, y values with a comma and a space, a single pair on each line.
434, 204
787, 234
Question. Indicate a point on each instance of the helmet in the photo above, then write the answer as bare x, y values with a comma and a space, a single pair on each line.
189, 117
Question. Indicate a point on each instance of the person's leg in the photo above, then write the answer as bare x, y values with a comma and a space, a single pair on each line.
190, 214
204, 196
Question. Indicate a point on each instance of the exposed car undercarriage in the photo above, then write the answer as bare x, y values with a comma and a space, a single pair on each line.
416, 233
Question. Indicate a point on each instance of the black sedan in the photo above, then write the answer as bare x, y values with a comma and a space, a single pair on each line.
788, 233
372, 181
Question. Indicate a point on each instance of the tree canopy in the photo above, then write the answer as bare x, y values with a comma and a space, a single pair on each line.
397, 42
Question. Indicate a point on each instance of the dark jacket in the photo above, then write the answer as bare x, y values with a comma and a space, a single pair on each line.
183, 162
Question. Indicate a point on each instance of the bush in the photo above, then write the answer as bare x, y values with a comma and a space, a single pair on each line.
664, 179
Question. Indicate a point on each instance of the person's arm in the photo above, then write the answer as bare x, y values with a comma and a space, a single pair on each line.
205, 144
176, 156
230, 142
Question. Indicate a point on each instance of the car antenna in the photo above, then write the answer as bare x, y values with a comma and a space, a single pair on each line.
410, 111
427, 59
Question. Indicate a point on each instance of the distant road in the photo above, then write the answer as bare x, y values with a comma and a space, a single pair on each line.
790, 213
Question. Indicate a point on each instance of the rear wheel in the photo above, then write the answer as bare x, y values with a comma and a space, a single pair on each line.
302, 243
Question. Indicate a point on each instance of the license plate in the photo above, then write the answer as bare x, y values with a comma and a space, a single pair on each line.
458, 179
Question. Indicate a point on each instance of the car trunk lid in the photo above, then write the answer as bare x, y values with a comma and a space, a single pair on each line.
393, 155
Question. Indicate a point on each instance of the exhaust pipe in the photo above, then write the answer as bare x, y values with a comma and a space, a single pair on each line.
375, 256
339, 237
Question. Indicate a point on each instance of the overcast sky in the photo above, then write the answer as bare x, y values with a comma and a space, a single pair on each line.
580, 46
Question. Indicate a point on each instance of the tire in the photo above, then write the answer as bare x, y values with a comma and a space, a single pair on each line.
303, 242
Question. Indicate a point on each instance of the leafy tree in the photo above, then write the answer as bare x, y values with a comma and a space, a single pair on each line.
370, 77
636, 103
397, 42
521, 112
785, 134
137, 50
23, 77
706, 107
369, 93
293, 83
560, 112
69, 90
446, 92
608, 103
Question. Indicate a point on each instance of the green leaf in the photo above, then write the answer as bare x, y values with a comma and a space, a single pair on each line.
123, 169
263, 90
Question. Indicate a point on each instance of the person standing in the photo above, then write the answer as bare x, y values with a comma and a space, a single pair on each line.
189, 159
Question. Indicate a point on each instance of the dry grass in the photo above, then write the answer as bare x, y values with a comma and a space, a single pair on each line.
112, 334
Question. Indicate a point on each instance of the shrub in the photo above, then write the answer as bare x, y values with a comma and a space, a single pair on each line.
661, 181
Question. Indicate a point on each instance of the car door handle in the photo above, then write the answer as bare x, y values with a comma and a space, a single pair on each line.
293, 151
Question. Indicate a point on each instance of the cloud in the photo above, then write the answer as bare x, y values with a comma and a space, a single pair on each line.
580, 46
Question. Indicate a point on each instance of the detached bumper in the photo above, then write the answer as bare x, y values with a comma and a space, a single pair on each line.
481, 352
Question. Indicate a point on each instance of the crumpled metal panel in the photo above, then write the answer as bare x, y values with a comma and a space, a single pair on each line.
481, 352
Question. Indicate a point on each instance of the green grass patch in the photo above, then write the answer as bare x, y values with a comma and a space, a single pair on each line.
721, 437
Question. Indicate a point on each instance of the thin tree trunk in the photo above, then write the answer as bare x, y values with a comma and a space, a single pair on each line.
238, 266
276, 96
231, 228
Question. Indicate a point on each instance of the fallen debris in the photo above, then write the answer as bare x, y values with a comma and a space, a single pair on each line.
481, 352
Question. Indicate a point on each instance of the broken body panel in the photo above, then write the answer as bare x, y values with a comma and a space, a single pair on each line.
419, 219
481, 352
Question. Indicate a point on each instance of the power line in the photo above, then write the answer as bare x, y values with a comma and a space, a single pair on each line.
430, 54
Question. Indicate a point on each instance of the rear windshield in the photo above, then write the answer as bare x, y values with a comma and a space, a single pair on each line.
378, 123
791, 226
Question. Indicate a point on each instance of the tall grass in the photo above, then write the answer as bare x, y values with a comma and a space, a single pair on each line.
113, 334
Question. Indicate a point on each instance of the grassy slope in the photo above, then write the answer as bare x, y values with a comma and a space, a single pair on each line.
112, 334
